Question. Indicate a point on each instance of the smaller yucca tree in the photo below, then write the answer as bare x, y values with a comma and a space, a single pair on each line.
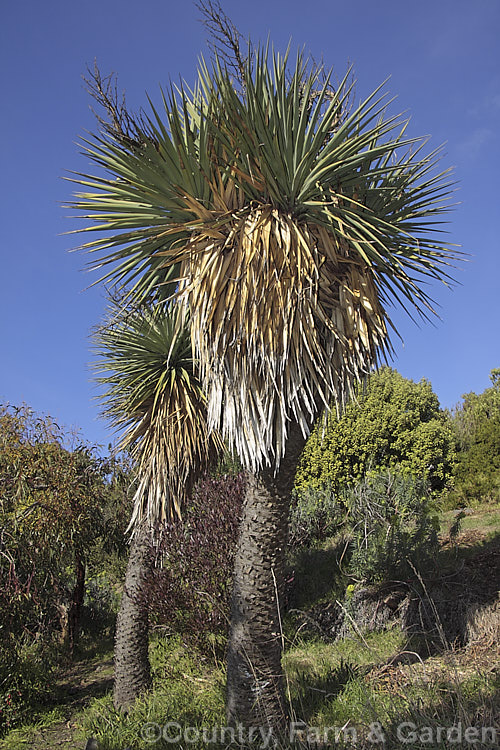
151, 393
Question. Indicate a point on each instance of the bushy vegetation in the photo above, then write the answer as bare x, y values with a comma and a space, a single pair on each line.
315, 515
369, 682
377, 525
476, 422
391, 423
394, 534
386, 520
59, 506
191, 585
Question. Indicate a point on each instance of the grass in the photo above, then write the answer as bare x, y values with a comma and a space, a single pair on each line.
39, 732
363, 681
484, 520
56, 720
321, 674
342, 691
378, 682
348, 693
188, 692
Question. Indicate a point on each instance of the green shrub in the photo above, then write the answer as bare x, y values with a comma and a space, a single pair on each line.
392, 423
393, 532
316, 514
26, 674
63, 511
476, 422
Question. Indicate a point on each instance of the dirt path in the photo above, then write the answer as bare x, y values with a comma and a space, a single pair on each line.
73, 691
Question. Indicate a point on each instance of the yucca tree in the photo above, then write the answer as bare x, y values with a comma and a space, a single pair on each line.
294, 221
151, 393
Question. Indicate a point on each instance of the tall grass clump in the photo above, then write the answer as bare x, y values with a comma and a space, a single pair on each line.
188, 693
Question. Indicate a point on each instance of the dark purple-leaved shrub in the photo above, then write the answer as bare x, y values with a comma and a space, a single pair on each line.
190, 587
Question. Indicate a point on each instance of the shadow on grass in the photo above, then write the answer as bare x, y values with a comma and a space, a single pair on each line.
311, 692
316, 574
465, 582
456, 718
76, 682
416, 708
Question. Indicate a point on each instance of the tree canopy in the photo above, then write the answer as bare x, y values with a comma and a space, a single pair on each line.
48, 487
391, 423
290, 222
477, 424
59, 504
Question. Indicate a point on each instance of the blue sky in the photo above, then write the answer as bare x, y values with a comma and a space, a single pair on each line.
443, 59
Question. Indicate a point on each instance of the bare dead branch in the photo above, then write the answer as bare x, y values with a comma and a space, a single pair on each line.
117, 122
225, 41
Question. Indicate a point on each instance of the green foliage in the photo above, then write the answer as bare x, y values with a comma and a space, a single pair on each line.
477, 426
228, 465
56, 513
50, 514
393, 533
392, 423
315, 515
49, 492
110, 549
313, 214
188, 690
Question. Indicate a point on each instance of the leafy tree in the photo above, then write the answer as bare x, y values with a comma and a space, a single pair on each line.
391, 423
477, 425
291, 222
52, 497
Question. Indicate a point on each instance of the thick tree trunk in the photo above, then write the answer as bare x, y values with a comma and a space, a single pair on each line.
132, 669
255, 684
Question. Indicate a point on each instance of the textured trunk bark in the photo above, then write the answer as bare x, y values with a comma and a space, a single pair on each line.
75, 608
255, 683
132, 669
